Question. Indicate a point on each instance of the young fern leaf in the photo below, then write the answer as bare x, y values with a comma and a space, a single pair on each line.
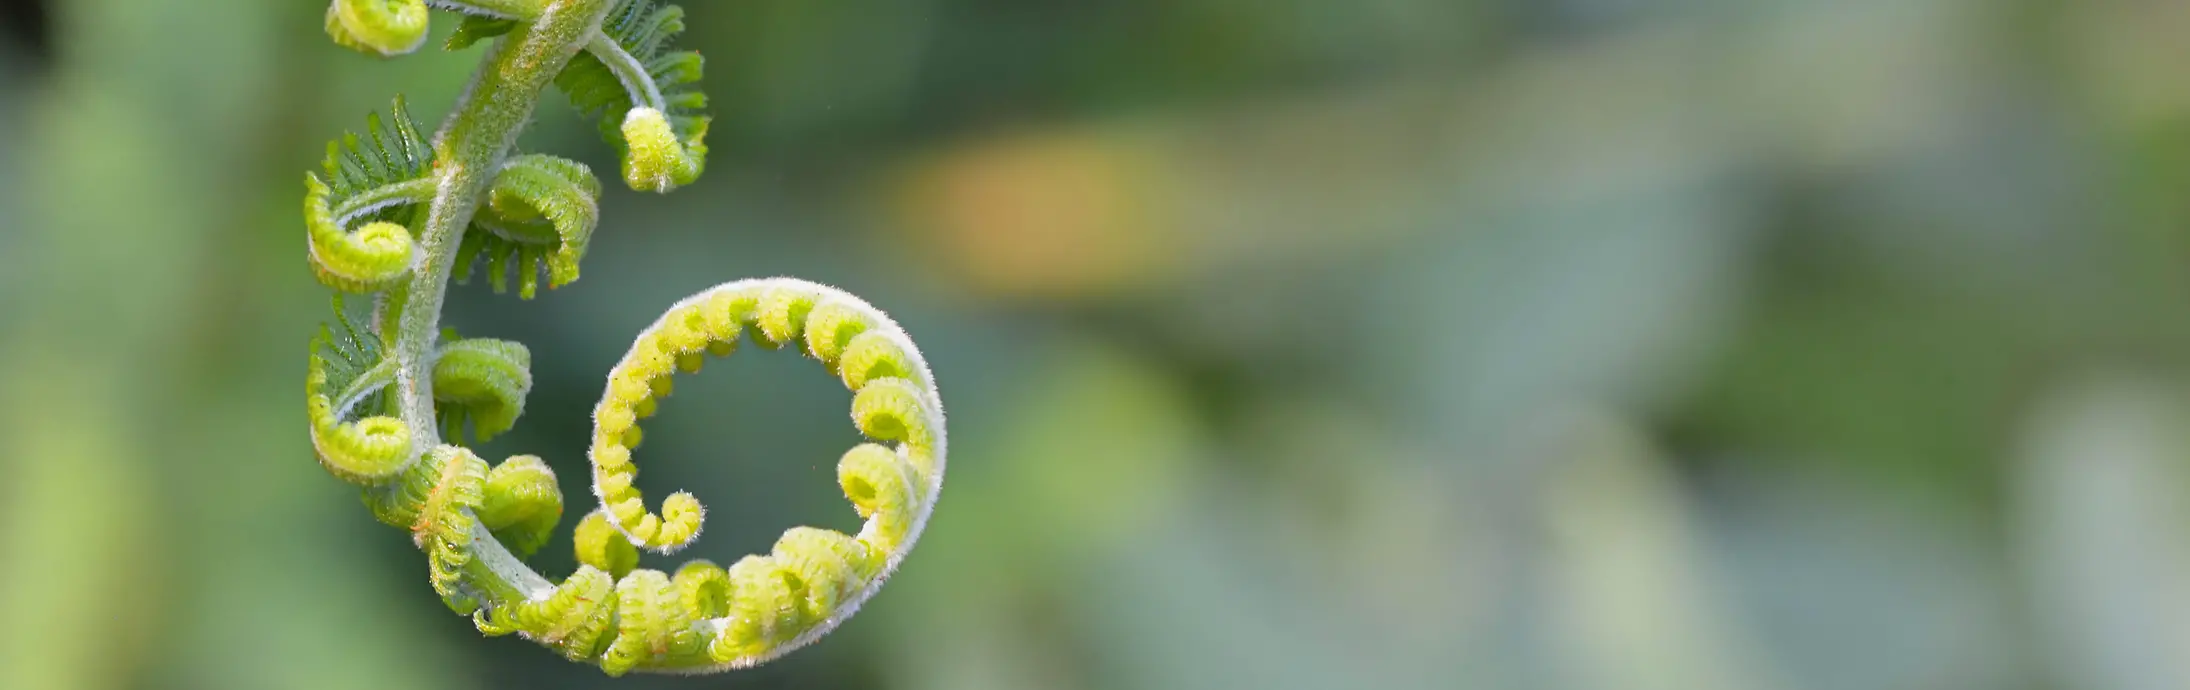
437, 502
385, 28
599, 544
539, 215
389, 409
369, 180
814, 578
482, 381
345, 373
645, 96
522, 504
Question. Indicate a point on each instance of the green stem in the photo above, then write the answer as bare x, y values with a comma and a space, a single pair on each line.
471, 145
409, 191
506, 9
627, 68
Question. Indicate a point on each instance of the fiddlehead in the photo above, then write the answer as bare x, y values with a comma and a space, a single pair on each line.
483, 381
380, 27
369, 181
539, 215
646, 96
390, 405
345, 374
522, 504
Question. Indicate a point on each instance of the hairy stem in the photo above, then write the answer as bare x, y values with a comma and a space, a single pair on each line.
506, 9
414, 191
628, 70
471, 145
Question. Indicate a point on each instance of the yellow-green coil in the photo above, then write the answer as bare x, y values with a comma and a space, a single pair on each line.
437, 500
483, 381
366, 452
534, 215
645, 95
368, 181
813, 578
522, 504
655, 160
374, 257
575, 619
600, 546
540, 214
378, 27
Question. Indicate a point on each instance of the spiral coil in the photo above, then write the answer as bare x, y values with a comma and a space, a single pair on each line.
391, 405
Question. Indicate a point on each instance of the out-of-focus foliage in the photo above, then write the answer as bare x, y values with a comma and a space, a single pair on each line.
1790, 345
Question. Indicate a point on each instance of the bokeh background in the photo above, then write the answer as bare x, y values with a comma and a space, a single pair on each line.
1641, 344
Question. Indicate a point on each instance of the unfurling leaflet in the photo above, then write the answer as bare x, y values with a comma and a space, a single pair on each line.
345, 374
392, 404
371, 181
378, 27
646, 96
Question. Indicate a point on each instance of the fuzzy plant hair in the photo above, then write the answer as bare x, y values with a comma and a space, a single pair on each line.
395, 215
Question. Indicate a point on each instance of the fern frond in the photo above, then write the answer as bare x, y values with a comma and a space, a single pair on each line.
703, 588
482, 381
598, 544
436, 500
345, 372
814, 577
574, 619
383, 28
539, 215
645, 96
522, 504
391, 214
368, 180
387, 28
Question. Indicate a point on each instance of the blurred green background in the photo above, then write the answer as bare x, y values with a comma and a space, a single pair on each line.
1641, 344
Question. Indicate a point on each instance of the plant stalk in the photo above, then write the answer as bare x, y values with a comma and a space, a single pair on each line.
468, 151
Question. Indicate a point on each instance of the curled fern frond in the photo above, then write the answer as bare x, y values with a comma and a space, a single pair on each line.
703, 588
389, 408
345, 371
368, 180
645, 96
483, 381
653, 627
600, 545
814, 577
385, 28
437, 500
655, 158
374, 257
575, 619
540, 214
522, 504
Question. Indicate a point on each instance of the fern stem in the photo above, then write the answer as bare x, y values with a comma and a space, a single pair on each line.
628, 70
411, 191
470, 147
506, 9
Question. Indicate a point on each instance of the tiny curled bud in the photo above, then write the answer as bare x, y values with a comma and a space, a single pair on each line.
522, 503
654, 160
379, 27
374, 257
481, 380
